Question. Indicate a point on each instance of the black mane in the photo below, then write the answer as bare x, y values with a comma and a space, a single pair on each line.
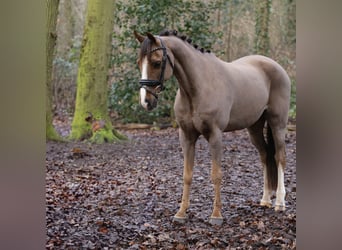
182, 37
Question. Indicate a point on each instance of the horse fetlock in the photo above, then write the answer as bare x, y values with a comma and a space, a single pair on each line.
185, 204
266, 199
280, 201
217, 210
216, 180
182, 210
217, 205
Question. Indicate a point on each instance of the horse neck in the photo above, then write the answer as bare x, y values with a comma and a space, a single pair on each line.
190, 66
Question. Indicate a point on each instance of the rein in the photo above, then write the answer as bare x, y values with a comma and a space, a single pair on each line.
157, 85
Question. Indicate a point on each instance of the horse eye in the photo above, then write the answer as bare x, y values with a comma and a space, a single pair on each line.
156, 64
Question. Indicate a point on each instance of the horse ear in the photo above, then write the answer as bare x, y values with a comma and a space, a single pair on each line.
139, 37
151, 37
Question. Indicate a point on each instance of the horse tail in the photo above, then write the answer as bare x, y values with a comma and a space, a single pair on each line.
271, 165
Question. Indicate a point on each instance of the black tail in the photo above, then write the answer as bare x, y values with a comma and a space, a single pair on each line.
271, 165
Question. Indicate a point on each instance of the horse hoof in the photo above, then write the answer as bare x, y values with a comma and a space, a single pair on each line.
216, 221
265, 204
180, 220
279, 208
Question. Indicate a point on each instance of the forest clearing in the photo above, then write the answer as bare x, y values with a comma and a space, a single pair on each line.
114, 171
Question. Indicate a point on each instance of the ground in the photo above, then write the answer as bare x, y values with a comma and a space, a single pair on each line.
124, 195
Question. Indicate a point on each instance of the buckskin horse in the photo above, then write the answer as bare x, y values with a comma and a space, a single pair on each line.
215, 97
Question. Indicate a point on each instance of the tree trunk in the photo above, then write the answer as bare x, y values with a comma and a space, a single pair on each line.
51, 37
229, 32
291, 22
65, 28
91, 98
262, 39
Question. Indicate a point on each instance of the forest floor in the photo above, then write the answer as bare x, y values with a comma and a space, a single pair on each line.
124, 195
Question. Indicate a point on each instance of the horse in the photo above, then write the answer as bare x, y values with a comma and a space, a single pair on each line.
214, 97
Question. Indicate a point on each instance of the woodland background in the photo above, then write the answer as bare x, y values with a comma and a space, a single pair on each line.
229, 28
123, 195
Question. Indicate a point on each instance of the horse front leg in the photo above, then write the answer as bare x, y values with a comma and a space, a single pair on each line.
188, 146
215, 143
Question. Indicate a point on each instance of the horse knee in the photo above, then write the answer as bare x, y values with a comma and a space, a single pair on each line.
187, 180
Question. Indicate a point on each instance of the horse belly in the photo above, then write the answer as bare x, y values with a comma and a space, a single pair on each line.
237, 124
245, 115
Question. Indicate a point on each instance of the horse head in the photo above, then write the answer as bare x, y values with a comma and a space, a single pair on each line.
156, 66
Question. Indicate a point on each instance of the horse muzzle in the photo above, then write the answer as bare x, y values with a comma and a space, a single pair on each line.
147, 99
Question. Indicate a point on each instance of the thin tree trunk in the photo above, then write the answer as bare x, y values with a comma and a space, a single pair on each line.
91, 98
51, 37
65, 28
291, 22
229, 33
262, 39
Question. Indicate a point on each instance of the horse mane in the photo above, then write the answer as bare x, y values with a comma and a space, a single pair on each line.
182, 37
146, 45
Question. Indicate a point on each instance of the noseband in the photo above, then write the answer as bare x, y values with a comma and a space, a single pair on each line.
157, 84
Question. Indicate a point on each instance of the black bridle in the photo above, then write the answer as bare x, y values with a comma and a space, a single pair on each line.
155, 86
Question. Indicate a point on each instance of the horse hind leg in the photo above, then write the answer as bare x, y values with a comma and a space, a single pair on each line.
280, 158
257, 139
276, 137
277, 116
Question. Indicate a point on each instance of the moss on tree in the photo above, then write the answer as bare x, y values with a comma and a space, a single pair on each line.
92, 74
51, 37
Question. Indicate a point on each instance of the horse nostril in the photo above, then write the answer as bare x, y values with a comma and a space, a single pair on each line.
149, 106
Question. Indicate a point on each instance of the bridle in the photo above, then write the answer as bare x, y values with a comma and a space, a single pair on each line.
156, 86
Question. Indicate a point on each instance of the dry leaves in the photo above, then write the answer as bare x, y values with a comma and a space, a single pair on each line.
119, 196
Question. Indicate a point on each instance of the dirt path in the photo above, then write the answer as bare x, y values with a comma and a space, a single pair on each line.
123, 196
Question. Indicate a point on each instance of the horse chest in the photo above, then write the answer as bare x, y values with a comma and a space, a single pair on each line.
202, 113
198, 122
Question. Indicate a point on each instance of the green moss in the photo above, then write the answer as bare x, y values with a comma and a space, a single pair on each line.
104, 135
52, 135
80, 131
92, 74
